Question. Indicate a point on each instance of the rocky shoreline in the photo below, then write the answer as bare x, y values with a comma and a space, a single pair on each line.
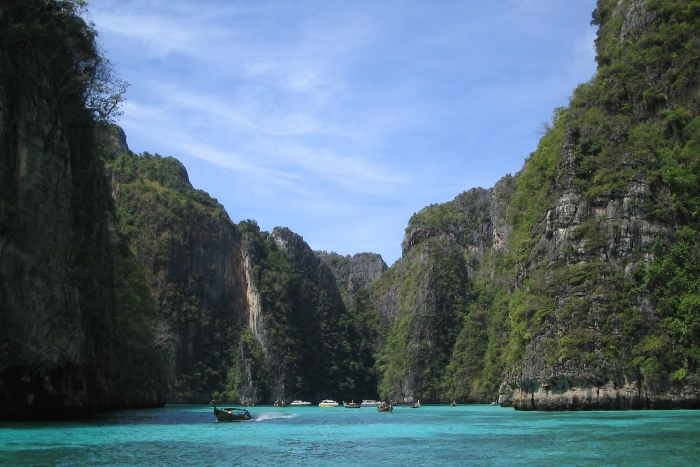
625, 393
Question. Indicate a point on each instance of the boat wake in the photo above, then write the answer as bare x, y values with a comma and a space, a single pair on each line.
271, 416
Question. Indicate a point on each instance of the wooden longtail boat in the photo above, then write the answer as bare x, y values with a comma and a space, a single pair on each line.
384, 407
231, 414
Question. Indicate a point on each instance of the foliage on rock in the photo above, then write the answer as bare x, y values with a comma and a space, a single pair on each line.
598, 272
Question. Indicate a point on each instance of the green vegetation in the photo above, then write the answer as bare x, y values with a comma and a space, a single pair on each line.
432, 304
632, 132
317, 348
52, 74
176, 231
601, 228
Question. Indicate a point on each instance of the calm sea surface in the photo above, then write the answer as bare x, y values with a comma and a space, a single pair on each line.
187, 435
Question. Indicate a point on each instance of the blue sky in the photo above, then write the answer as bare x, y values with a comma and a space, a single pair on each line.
340, 119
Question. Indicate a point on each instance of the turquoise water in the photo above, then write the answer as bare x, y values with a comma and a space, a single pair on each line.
187, 435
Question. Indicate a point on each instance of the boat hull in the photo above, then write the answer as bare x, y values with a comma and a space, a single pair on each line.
223, 415
371, 403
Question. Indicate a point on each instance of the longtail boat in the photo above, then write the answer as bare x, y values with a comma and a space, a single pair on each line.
231, 414
385, 407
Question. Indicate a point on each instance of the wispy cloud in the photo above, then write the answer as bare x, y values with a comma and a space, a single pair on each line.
315, 111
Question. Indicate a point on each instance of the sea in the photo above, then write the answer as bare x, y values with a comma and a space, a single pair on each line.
432, 435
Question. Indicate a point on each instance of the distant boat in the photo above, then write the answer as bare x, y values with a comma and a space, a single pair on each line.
371, 403
231, 414
279, 403
300, 403
328, 403
415, 405
453, 404
385, 407
352, 405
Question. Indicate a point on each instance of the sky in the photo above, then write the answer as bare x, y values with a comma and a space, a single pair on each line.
341, 119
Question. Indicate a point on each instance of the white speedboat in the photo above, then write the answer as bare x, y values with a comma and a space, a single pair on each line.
300, 403
328, 403
371, 403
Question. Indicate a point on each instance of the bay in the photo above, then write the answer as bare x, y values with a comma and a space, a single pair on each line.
436, 435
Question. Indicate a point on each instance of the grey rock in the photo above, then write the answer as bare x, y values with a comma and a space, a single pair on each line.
353, 273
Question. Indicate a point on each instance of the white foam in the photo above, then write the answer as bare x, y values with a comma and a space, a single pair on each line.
272, 416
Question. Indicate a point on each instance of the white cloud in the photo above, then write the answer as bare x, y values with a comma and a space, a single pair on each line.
324, 109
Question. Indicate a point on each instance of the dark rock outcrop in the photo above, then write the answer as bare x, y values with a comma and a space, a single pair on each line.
191, 251
59, 351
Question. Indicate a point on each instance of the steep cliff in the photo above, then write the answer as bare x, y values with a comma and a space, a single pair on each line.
353, 273
610, 263
248, 315
433, 326
61, 352
189, 247
312, 347
584, 295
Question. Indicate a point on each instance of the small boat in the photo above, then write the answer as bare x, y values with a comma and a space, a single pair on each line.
352, 405
298, 402
231, 414
279, 403
453, 404
328, 403
384, 407
371, 403
415, 405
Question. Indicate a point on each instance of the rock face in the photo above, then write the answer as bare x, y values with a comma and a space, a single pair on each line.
637, 17
248, 315
190, 249
353, 273
422, 300
600, 344
91, 292
58, 344
603, 391
575, 288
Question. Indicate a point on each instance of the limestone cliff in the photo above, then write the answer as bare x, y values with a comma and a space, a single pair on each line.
579, 277
248, 315
425, 299
353, 273
60, 350
190, 249
601, 260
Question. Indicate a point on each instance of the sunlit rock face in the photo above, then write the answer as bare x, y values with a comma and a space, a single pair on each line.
353, 273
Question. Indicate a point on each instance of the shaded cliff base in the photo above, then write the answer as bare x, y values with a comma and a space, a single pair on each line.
590, 393
60, 393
